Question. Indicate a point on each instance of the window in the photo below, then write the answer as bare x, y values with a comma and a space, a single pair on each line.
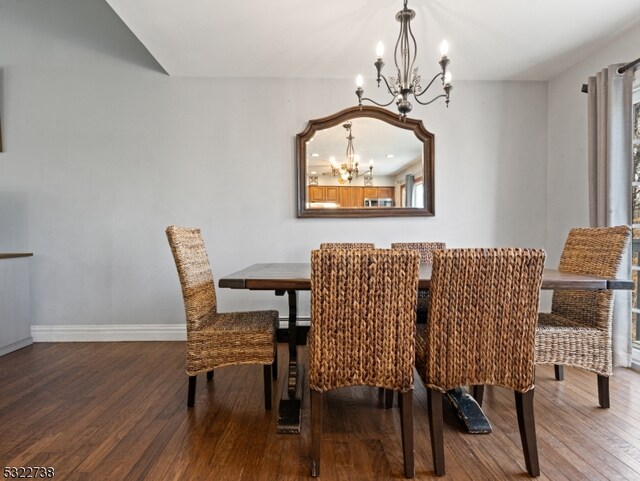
417, 195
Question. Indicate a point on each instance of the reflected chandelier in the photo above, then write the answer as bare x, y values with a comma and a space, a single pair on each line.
408, 80
349, 169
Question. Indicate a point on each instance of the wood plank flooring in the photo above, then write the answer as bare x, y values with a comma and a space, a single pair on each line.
117, 411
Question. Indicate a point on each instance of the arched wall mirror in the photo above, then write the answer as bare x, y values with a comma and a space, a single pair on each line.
365, 162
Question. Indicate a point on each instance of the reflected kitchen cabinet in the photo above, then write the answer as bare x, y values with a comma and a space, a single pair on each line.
370, 192
351, 197
331, 194
324, 194
386, 192
379, 196
316, 193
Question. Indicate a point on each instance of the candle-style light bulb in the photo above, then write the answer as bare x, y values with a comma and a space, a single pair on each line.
447, 77
380, 49
444, 48
359, 81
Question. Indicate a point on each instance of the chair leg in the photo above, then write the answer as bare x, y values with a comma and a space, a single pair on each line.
191, 397
209, 375
388, 398
434, 408
405, 400
274, 368
316, 431
527, 425
559, 371
603, 391
478, 393
266, 369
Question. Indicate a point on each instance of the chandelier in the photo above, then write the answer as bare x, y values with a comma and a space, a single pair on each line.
349, 169
407, 81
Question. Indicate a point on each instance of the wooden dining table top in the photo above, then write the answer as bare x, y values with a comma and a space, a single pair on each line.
297, 276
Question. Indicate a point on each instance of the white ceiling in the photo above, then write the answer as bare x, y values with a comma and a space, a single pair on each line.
490, 39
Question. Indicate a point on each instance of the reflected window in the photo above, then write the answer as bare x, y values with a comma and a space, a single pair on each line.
418, 194
416, 186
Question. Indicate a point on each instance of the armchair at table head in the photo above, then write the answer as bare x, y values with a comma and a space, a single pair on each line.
577, 332
481, 330
217, 339
362, 330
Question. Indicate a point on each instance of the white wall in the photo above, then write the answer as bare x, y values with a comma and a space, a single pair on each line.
568, 202
103, 151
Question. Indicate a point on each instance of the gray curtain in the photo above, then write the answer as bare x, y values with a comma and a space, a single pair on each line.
408, 190
610, 166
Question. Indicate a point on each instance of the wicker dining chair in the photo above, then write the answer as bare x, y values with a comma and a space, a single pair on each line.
362, 331
481, 330
425, 249
347, 245
216, 339
577, 331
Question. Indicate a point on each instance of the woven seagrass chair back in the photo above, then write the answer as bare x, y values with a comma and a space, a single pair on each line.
595, 251
362, 318
194, 271
424, 248
482, 318
347, 245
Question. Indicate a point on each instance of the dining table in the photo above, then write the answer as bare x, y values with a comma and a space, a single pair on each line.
290, 278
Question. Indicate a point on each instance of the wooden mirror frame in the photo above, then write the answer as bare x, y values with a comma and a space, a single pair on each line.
416, 126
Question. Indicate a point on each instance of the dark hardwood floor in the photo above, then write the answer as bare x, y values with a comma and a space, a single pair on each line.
117, 411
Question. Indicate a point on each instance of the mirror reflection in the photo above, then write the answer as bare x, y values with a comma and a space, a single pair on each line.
358, 164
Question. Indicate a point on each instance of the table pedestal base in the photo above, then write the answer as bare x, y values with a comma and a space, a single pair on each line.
289, 416
291, 401
469, 412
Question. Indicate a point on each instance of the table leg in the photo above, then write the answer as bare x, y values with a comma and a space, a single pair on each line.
291, 400
469, 412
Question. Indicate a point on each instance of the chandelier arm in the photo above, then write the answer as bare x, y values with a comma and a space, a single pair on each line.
430, 101
439, 74
379, 105
389, 89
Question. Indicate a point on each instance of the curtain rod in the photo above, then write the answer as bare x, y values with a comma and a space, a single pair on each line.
629, 65
623, 69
